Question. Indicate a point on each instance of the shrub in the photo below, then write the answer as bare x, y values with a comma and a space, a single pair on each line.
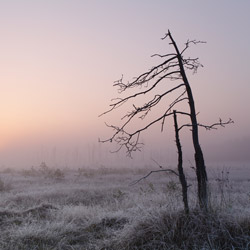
58, 174
4, 186
48, 172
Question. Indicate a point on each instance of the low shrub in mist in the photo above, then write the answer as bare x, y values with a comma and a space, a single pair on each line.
7, 171
44, 171
4, 186
48, 172
30, 172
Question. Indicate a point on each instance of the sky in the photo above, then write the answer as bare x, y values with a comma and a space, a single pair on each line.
60, 58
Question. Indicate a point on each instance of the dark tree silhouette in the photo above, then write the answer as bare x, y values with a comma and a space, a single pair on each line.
182, 176
172, 69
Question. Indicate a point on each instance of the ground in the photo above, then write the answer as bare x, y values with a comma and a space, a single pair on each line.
43, 208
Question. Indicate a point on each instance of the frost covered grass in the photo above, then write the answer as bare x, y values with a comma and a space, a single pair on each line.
99, 209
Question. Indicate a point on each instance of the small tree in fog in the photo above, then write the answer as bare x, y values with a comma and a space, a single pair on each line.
154, 85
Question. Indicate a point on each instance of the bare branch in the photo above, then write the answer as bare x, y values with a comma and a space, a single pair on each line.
151, 172
215, 125
145, 77
192, 64
156, 163
177, 100
166, 35
126, 139
212, 126
187, 44
123, 100
171, 54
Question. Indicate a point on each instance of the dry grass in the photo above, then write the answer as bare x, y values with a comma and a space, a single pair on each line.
98, 209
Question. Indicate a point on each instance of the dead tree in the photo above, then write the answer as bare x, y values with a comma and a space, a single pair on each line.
199, 159
181, 174
171, 69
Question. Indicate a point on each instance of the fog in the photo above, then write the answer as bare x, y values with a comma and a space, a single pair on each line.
59, 61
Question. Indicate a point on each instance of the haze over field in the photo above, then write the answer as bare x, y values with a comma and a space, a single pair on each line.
58, 60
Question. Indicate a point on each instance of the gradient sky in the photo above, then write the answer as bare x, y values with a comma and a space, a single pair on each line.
59, 59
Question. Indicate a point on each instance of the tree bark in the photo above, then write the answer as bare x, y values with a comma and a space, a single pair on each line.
199, 159
182, 177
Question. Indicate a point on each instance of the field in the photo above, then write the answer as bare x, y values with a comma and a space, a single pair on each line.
98, 209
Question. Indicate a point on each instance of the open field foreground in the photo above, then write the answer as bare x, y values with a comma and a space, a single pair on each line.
99, 209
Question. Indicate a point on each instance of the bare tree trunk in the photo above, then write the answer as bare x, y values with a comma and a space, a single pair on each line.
182, 177
199, 160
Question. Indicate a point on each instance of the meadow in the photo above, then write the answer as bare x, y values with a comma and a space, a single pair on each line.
44, 208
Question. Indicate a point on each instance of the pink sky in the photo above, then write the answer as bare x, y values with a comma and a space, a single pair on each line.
59, 59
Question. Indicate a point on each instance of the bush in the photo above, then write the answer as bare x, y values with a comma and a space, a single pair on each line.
30, 172
58, 174
48, 172
4, 186
1, 185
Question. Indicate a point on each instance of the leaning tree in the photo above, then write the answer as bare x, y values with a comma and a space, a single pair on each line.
172, 68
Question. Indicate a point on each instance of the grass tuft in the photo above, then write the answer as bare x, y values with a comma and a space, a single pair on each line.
180, 231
